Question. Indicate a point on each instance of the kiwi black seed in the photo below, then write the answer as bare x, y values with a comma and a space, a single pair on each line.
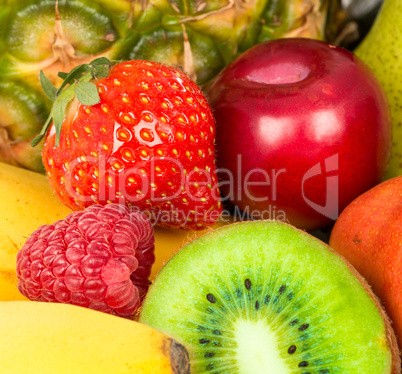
263, 297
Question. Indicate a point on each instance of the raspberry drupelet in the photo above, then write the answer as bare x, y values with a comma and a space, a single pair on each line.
99, 258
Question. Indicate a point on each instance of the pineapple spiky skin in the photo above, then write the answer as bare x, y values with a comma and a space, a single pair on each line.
199, 36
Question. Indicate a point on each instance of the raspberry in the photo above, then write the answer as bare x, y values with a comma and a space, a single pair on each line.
99, 258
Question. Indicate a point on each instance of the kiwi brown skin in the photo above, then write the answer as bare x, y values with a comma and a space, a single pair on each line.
390, 335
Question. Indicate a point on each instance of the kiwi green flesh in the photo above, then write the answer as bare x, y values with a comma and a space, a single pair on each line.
263, 297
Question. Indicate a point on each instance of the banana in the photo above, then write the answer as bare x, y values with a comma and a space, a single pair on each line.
169, 241
48, 338
27, 202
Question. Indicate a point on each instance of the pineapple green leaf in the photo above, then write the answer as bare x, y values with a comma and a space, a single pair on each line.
48, 88
87, 93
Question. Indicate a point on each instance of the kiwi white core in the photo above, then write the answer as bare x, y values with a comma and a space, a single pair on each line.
257, 349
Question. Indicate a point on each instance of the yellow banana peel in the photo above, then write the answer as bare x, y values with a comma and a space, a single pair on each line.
49, 338
168, 242
28, 202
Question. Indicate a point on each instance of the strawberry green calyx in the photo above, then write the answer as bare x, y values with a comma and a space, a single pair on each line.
77, 84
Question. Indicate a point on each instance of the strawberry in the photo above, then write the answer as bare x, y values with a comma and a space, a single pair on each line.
141, 134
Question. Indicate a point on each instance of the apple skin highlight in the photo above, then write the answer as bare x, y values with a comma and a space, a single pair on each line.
303, 127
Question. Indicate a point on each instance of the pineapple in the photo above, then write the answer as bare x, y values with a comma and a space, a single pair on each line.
200, 36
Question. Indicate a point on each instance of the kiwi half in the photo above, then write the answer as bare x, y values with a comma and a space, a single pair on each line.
265, 298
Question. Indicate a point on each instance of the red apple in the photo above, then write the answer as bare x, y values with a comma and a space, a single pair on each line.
303, 128
369, 234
